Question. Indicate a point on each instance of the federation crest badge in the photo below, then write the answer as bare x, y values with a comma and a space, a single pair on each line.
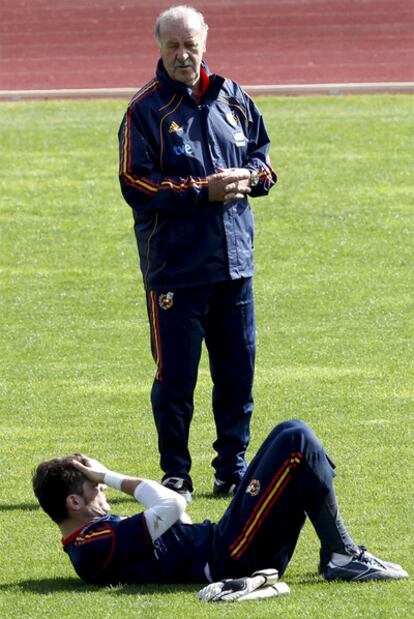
232, 118
253, 488
165, 301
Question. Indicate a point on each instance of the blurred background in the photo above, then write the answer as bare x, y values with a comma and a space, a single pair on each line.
49, 44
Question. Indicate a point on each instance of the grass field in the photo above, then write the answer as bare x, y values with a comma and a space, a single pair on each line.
334, 296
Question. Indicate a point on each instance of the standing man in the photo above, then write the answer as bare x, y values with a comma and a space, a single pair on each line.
193, 145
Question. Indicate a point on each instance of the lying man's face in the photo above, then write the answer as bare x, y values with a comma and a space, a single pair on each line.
94, 499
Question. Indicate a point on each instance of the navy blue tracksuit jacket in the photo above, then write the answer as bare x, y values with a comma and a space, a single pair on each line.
169, 144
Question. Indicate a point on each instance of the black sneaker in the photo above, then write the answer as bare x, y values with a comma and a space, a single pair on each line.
179, 485
223, 488
361, 566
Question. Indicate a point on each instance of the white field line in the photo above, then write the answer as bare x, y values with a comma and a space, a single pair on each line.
259, 89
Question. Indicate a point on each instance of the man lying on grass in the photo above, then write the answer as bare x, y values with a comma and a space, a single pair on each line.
291, 477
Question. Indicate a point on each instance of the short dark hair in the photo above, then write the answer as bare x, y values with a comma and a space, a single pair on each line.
53, 481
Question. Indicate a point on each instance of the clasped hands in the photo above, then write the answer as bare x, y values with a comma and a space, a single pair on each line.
228, 184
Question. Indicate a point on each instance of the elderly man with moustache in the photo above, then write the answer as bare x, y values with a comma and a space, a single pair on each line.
193, 146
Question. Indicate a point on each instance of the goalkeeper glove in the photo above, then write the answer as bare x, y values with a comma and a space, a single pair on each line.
260, 584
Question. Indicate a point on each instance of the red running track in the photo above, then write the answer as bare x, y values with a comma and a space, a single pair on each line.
48, 44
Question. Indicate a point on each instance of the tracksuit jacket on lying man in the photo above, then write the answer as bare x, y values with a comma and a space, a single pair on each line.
196, 256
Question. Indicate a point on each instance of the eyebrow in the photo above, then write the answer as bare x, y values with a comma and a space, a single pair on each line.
179, 39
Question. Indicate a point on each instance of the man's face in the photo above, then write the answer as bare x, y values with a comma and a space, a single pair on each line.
182, 46
95, 503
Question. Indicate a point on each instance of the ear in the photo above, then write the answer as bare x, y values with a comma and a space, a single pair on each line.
74, 502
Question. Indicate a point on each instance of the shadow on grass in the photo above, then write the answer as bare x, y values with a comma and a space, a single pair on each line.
45, 586
24, 506
48, 585
33, 505
210, 495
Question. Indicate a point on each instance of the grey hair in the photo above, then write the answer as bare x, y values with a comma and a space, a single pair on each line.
176, 12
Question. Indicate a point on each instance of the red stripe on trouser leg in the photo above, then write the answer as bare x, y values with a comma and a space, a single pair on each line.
155, 332
262, 509
250, 537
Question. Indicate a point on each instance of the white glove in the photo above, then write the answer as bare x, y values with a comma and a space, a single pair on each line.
279, 588
238, 589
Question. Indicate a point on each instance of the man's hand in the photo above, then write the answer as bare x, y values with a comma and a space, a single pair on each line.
91, 469
227, 185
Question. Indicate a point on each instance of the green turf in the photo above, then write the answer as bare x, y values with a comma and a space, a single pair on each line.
334, 297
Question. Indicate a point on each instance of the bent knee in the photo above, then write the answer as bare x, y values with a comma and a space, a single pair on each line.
299, 433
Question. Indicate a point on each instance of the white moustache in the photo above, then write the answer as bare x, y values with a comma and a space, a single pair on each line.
180, 65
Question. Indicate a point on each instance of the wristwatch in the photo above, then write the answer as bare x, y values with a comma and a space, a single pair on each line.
254, 178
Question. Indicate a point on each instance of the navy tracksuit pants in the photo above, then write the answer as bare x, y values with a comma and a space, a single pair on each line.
289, 478
221, 315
